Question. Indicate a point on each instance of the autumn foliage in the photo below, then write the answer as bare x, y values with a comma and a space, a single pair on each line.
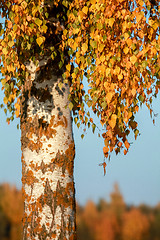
114, 44
112, 220
11, 212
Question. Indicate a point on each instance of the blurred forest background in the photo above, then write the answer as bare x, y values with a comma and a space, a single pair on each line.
106, 220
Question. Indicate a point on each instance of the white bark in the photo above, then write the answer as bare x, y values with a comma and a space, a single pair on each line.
41, 170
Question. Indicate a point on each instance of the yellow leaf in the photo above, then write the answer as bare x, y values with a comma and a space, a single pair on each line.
11, 43
24, 4
17, 112
102, 58
5, 100
70, 42
68, 67
138, 18
5, 51
17, 106
155, 25
75, 30
101, 47
133, 59
141, 3
111, 22
106, 85
65, 32
120, 76
80, 16
109, 96
107, 71
38, 21
102, 69
74, 46
44, 28
84, 47
113, 87
126, 50
150, 22
129, 42
85, 10
74, 75
126, 36
97, 81
112, 122
117, 70
133, 91
40, 40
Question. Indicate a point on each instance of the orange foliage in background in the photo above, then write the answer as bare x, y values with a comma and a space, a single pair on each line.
11, 205
135, 225
112, 220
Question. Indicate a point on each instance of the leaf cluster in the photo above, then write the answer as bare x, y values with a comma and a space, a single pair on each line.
115, 44
113, 48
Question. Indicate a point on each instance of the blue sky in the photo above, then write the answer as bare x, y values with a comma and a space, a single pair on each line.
137, 173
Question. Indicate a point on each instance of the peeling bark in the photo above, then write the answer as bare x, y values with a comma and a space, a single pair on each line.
47, 157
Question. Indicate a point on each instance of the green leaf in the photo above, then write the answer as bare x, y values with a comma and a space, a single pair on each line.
93, 44
70, 106
99, 26
95, 99
15, 27
76, 70
141, 98
104, 37
97, 16
38, 21
89, 103
86, 98
46, 14
60, 85
32, 25
104, 105
60, 64
28, 46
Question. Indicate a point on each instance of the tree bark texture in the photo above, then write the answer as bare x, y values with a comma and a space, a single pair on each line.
47, 156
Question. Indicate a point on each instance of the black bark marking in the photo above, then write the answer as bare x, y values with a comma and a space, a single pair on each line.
41, 94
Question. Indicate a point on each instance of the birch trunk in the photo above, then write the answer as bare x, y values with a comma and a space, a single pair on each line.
47, 157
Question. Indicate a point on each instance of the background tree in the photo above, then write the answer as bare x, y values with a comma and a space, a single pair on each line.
115, 44
94, 221
135, 225
11, 205
4, 221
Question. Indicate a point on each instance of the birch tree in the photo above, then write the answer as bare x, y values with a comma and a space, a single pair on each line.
46, 49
